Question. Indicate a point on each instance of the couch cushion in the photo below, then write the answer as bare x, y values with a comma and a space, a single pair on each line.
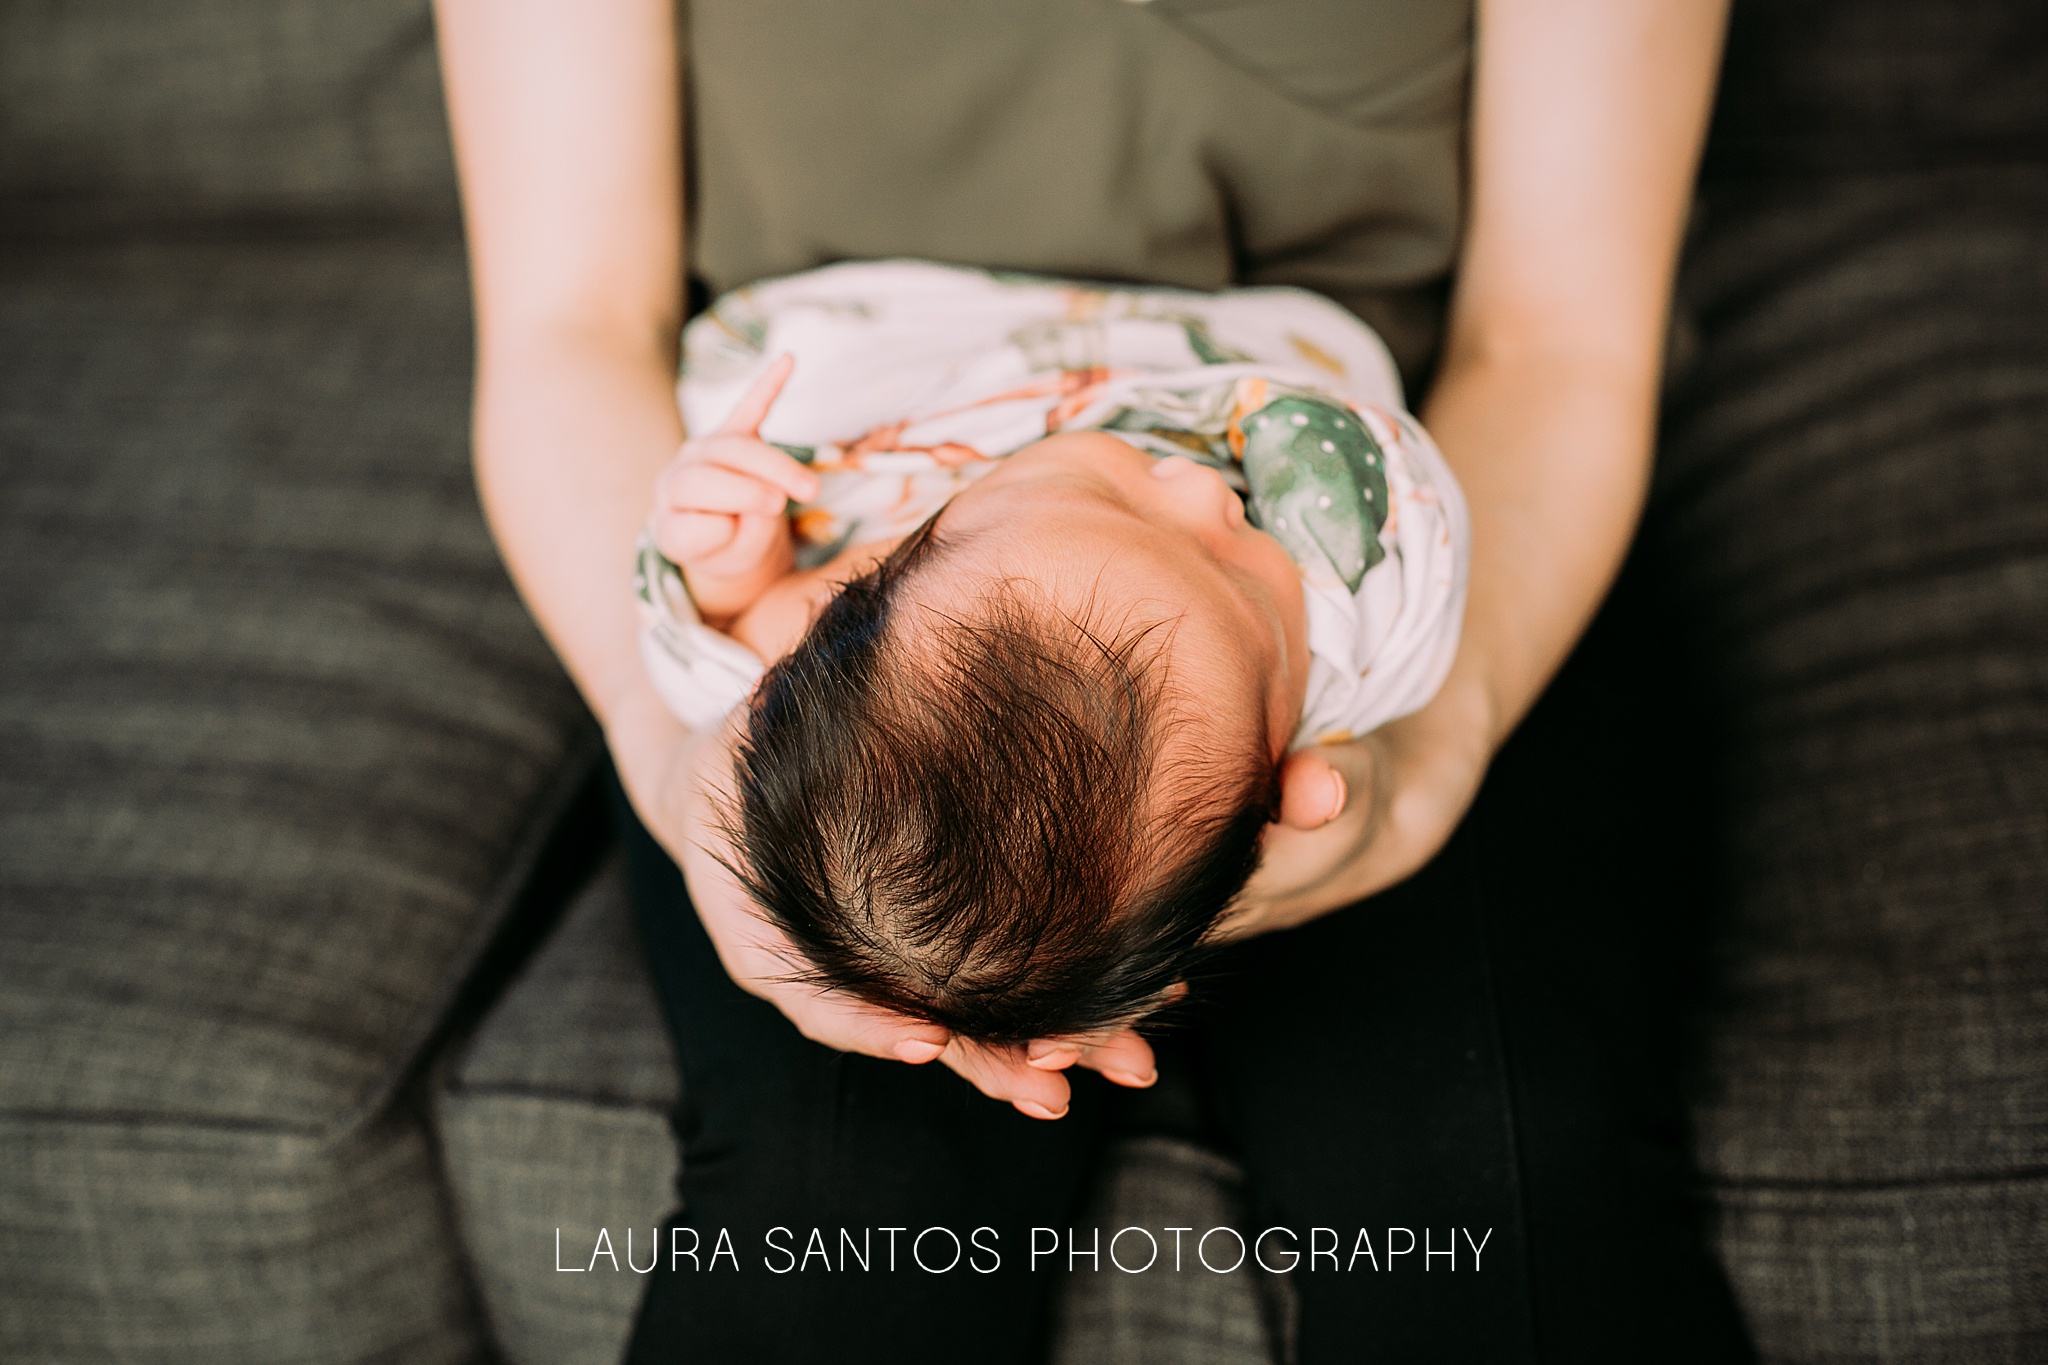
179, 1246
554, 1120
1854, 496
1158, 1317
1819, 86
1936, 1273
1855, 505
276, 729
123, 113
581, 1021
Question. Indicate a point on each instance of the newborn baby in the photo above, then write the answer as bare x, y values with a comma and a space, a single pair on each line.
1026, 590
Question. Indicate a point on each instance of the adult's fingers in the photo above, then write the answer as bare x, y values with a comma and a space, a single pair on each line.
902, 1040
1313, 791
1001, 1073
1306, 872
852, 1027
745, 419
1124, 1058
1121, 1056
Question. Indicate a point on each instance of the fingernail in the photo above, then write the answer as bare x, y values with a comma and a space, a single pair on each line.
1039, 1111
1340, 792
1133, 1079
918, 1051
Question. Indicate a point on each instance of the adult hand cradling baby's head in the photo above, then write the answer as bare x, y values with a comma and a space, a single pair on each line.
763, 962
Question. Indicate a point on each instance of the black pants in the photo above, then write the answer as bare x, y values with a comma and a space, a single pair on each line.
1484, 1054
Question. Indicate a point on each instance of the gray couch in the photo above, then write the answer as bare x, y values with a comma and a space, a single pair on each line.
319, 1008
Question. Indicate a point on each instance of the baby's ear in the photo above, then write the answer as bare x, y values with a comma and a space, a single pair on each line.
1312, 792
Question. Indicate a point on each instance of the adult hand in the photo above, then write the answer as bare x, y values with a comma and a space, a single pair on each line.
719, 505
1356, 818
678, 808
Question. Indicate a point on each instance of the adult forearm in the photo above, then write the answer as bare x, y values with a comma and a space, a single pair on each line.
571, 430
1553, 451
568, 136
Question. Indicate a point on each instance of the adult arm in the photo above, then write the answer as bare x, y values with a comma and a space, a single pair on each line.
568, 138
567, 122
1587, 120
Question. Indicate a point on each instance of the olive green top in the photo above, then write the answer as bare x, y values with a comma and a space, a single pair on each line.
1198, 143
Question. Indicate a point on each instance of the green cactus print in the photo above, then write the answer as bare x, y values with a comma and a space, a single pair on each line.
1318, 483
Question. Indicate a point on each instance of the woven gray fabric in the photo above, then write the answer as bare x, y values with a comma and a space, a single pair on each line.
275, 723
581, 1022
1854, 506
526, 1169
278, 737
554, 1117
154, 1244
1159, 1317
1824, 86
1935, 1273
122, 114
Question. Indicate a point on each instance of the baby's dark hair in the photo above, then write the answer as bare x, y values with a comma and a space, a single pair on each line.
962, 824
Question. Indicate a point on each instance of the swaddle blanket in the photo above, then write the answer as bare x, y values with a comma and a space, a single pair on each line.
912, 380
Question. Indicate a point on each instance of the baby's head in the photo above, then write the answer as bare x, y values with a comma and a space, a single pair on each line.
1011, 778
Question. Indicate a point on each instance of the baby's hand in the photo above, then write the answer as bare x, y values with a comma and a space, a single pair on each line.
719, 506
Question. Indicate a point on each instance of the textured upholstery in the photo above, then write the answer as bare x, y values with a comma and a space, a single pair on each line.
554, 1117
158, 1242
278, 736
1854, 503
1818, 87
1853, 515
205, 113
277, 742
275, 720
1155, 1318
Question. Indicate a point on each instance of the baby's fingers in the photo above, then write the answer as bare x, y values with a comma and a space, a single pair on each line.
745, 419
715, 488
753, 541
692, 537
756, 459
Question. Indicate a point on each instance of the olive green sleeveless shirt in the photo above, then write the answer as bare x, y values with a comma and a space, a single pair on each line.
1198, 143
